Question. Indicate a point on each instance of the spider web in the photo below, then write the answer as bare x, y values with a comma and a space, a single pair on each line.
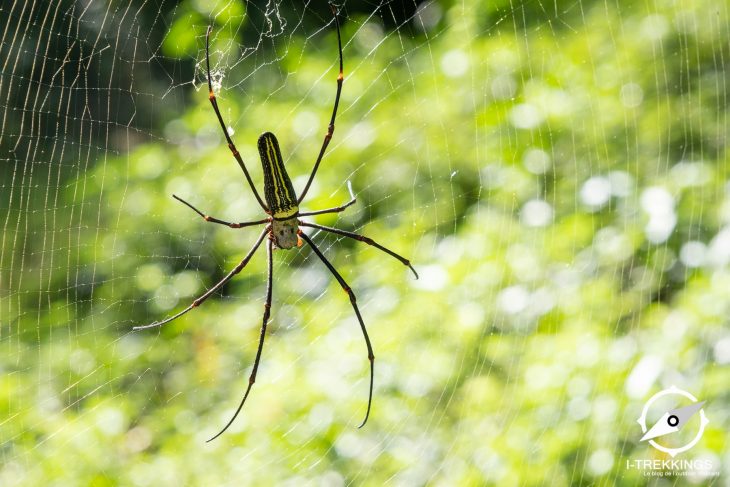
556, 171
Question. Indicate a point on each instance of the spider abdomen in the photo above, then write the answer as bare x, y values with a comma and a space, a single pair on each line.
278, 189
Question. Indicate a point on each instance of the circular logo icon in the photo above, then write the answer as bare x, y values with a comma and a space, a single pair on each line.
673, 420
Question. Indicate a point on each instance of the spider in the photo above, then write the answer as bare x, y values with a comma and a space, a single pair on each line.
283, 225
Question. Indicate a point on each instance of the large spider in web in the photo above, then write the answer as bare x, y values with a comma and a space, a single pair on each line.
283, 225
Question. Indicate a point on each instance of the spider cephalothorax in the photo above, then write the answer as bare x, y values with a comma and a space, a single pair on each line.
285, 233
282, 223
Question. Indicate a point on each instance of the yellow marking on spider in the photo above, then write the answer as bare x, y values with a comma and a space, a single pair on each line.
282, 200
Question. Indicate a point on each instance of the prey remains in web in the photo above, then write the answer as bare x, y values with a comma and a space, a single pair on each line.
283, 228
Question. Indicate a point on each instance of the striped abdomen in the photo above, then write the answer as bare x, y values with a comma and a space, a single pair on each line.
278, 190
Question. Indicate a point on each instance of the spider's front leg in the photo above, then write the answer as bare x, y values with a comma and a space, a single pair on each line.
265, 321
353, 302
200, 300
362, 238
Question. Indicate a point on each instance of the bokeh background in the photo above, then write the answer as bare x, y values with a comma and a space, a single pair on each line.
556, 171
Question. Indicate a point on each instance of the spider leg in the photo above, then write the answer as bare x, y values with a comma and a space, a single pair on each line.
361, 238
336, 209
210, 291
216, 220
331, 127
231, 145
353, 301
267, 311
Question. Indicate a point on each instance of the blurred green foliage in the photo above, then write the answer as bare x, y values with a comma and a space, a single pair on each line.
558, 178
